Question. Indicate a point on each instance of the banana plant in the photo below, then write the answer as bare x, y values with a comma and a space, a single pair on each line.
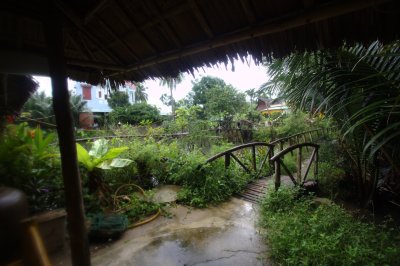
100, 156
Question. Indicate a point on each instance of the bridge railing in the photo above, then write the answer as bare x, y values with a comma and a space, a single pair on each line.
255, 168
275, 153
301, 177
302, 137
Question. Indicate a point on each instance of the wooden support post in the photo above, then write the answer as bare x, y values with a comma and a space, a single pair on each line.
253, 150
271, 154
281, 145
316, 164
299, 161
304, 140
65, 129
3, 105
227, 160
240, 163
277, 174
290, 144
312, 158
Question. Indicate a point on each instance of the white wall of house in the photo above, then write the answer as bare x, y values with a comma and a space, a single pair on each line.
96, 96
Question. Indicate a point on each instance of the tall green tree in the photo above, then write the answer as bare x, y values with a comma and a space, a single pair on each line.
171, 83
135, 113
252, 93
216, 97
222, 101
118, 99
140, 93
39, 107
78, 105
197, 96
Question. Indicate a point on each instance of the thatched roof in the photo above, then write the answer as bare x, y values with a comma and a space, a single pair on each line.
135, 40
15, 91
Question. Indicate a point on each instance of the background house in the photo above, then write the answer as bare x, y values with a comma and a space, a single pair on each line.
96, 101
96, 96
270, 106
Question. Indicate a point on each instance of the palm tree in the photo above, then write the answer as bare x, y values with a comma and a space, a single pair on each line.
171, 83
39, 107
140, 93
359, 87
252, 93
77, 106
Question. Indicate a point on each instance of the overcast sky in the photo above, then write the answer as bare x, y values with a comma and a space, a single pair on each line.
245, 76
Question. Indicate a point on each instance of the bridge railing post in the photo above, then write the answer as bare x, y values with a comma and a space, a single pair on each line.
299, 162
253, 150
277, 174
316, 163
227, 160
271, 154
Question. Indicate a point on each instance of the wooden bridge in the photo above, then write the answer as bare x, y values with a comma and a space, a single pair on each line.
263, 160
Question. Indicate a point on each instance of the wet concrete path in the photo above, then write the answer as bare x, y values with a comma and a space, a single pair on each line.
222, 235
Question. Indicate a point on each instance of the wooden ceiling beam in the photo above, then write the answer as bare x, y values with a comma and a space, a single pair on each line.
248, 10
164, 16
201, 19
117, 38
78, 43
99, 5
308, 16
77, 21
134, 27
170, 32
308, 3
82, 41
95, 65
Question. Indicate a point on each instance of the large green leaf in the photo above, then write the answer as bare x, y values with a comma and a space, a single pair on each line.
84, 157
114, 152
111, 154
114, 163
99, 148
119, 163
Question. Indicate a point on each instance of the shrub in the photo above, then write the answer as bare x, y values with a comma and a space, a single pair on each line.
302, 233
290, 161
212, 184
169, 163
329, 178
266, 134
292, 124
134, 114
30, 163
118, 99
331, 173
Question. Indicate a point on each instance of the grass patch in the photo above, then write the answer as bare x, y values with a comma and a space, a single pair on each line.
301, 232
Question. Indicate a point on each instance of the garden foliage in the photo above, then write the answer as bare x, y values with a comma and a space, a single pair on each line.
358, 86
29, 161
301, 232
172, 162
134, 114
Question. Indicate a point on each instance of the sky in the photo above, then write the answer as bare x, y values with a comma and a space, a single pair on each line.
245, 76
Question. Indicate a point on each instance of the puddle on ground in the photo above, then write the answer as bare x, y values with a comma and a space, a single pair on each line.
222, 235
202, 246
